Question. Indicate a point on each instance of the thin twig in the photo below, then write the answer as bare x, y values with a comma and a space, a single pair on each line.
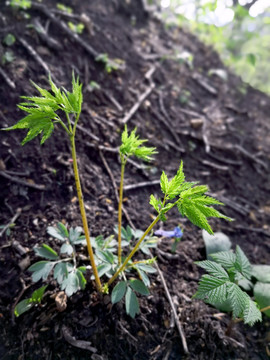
14, 218
7, 79
35, 55
115, 187
91, 51
141, 184
136, 106
22, 182
178, 324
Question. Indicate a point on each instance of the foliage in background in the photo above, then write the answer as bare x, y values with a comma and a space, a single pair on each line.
243, 43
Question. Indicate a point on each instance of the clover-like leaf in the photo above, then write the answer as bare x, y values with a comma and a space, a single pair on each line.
118, 292
132, 304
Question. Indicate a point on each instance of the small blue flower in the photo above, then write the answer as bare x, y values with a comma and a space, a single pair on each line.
177, 233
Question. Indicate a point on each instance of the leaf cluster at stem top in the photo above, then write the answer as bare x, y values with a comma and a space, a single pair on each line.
132, 145
42, 110
191, 200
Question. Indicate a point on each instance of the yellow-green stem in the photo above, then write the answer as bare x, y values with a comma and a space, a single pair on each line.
120, 210
136, 247
83, 214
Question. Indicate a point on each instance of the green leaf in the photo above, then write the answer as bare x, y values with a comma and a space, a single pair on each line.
132, 304
105, 255
175, 184
47, 252
71, 284
66, 249
23, 306
118, 292
251, 59
154, 202
60, 272
144, 277
214, 269
238, 299
225, 258
58, 232
251, 313
215, 243
62, 230
82, 280
103, 268
262, 295
138, 286
242, 263
261, 273
132, 145
189, 210
9, 39
41, 270
164, 183
38, 294
212, 289
146, 268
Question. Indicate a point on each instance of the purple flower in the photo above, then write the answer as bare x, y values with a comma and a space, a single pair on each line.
177, 232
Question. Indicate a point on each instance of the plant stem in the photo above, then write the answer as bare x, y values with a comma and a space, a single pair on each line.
265, 308
136, 247
83, 214
123, 163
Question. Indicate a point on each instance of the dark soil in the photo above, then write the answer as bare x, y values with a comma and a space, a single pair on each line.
219, 128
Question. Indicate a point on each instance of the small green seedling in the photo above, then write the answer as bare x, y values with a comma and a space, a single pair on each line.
110, 65
20, 4
27, 304
9, 40
64, 8
220, 287
78, 29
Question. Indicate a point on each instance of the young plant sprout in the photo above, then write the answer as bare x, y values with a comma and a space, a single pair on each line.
43, 113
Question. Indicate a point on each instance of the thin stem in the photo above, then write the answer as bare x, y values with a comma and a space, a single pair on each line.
265, 308
75, 123
83, 213
123, 163
69, 123
64, 126
136, 247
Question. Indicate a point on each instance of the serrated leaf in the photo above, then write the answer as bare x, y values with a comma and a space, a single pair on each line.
66, 249
164, 183
251, 313
242, 263
47, 252
23, 306
225, 258
139, 287
38, 294
262, 296
60, 272
118, 292
71, 284
195, 215
175, 184
41, 270
213, 269
132, 304
57, 233
212, 289
154, 202
238, 299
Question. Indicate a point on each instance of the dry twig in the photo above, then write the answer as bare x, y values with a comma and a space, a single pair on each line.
22, 182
